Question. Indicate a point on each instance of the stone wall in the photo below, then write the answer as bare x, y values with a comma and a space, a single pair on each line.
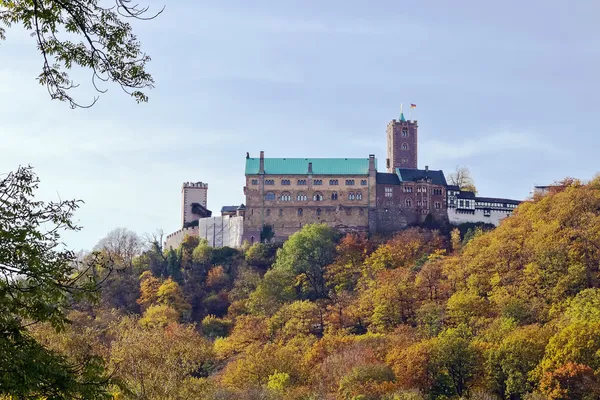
402, 148
174, 239
392, 212
318, 203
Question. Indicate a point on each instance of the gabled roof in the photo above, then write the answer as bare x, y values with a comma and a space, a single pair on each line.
320, 166
497, 200
463, 194
386, 178
229, 209
412, 175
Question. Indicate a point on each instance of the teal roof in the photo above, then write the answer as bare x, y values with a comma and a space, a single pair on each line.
402, 117
320, 166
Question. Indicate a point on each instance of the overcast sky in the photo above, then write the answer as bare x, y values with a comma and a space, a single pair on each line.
508, 88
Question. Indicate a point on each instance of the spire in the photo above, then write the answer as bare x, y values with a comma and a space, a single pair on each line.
402, 114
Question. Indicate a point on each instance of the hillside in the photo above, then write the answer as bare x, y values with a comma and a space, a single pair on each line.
506, 314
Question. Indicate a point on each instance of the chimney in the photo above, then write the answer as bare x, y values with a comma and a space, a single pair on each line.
427, 168
310, 168
371, 162
261, 168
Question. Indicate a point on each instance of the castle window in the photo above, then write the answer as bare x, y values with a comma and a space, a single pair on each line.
404, 146
285, 196
437, 192
269, 182
255, 181
302, 182
285, 182
438, 205
299, 212
270, 196
404, 132
333, 182
425, 204
407, 189
334, 196
419, 203
358, 196
268, 212
318, 196
318, 182
318, 211
363, 182
389, 191
349, 182
404, 160
351, 196
408, 203
301, 196
280, 213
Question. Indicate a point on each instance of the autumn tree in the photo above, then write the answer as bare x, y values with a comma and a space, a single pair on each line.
39, 279
156, 363
344, 272
83, 33
461, 177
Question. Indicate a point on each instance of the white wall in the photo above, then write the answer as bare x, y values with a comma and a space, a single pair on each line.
457, 218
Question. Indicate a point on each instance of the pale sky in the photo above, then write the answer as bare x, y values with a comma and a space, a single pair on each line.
509, 89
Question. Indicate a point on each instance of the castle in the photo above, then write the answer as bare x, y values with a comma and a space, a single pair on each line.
348, 194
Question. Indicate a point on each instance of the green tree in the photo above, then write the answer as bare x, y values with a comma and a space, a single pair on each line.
261, 255
456, 357
38, 279
99, 39
306, 254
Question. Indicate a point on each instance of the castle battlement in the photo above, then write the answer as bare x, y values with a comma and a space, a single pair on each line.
197, 185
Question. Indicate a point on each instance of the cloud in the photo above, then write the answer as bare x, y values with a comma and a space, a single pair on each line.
504, 142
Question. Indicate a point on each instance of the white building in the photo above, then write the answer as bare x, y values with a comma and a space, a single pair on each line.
464, 207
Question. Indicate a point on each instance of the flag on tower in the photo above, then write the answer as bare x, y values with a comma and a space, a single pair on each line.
413, 105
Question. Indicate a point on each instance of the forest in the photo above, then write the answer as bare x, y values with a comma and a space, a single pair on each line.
508, 313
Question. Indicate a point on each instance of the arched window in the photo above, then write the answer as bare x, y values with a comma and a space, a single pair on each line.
268, 212
301, 196
404, 132
285, 196
270, 196
404, 160
408, 203
280, 212
404, 146
334, 196
351, 196
299, 212
285, 182
318, 211
358, 196
318, 196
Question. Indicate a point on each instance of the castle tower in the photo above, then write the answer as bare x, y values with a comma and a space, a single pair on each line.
192, 192
402, 139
